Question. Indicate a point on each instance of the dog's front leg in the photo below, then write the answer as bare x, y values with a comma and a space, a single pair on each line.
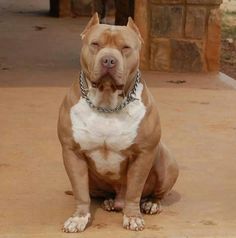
137, 174
77, 171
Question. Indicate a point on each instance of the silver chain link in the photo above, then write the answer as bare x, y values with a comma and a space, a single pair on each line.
130, 97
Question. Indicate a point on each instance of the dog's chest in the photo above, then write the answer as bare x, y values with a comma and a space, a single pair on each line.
114, 131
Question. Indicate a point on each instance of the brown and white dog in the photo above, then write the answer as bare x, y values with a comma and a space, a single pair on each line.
109, 150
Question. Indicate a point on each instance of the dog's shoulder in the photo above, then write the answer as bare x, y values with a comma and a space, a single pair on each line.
64, 121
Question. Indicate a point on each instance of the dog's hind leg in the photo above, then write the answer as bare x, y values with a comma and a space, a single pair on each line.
160, 181
166, 170
150, 206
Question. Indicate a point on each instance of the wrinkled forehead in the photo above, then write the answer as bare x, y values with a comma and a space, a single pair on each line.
113, 35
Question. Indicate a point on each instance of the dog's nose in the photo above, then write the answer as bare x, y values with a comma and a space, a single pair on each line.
108, 61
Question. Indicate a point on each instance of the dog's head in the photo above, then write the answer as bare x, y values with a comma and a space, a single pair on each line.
110, 54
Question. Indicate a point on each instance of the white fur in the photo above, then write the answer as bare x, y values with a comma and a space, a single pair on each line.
109, 162
117, 131
133, 223
76, 223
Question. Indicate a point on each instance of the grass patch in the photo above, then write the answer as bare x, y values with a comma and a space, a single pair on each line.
230, 13
228, 25
228, 31
228, 43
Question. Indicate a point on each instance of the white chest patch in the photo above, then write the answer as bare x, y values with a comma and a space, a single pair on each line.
92, 130
109, 162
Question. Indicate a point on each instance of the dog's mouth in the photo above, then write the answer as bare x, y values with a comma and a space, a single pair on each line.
107, 82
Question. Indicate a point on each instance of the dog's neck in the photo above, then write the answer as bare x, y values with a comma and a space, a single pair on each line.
105, 96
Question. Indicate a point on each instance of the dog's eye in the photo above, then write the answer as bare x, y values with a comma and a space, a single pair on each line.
95, 44
126, 47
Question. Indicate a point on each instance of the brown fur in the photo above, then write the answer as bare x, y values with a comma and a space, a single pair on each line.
148, 170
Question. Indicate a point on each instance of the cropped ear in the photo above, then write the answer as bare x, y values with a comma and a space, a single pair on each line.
93, 21
132, 25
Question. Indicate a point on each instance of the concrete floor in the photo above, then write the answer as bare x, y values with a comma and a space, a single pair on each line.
198, 122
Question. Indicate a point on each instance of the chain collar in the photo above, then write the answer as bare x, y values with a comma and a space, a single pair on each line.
128, 99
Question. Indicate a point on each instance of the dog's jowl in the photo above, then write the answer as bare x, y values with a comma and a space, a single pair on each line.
110, 133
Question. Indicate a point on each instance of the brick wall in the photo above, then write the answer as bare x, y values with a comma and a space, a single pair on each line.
179, 35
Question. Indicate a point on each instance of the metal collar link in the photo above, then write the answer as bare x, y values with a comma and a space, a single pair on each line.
130, 97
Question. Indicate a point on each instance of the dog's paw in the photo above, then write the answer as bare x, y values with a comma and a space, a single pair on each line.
149, 207
133, 223
113, 205
76, 223
109, 205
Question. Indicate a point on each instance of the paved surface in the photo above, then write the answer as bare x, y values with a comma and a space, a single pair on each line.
198, 122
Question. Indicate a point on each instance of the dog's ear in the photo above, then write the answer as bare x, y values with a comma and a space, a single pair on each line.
93, 21
132, 25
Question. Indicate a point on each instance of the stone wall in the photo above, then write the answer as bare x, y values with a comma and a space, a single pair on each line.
179, 35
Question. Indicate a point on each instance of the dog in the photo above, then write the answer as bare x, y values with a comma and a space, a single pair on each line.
110, 133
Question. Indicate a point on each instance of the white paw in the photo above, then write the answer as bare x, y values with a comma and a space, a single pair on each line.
109, 205
150, 207
76, 223
133, 223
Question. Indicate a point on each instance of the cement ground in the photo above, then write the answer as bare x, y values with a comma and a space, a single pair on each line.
38, 61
